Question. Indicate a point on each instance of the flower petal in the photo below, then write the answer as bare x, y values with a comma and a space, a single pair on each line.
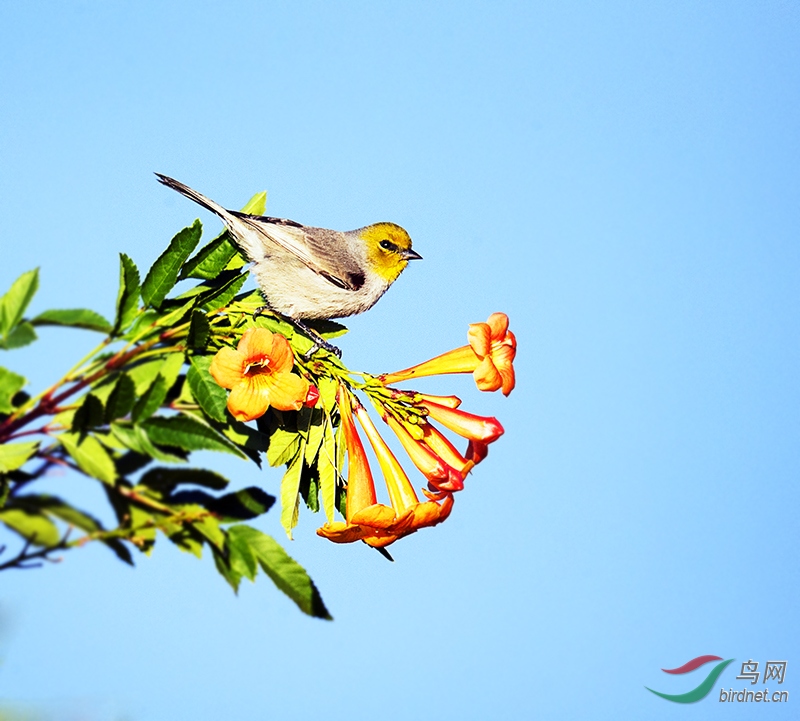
256, 343
228, 366
287, 391
486, 376
479, 336
498, 323
249, 398
281, 356
504, 358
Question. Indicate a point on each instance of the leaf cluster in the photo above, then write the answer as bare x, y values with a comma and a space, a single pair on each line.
130, 414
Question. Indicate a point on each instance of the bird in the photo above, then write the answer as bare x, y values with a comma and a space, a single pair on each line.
308, 273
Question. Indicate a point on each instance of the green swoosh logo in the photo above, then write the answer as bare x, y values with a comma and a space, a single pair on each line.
700, 692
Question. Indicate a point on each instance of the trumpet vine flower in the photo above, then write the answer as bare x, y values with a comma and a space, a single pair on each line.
489, 357
258, 374
367, 520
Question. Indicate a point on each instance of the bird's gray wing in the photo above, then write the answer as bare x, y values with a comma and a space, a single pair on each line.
322, 250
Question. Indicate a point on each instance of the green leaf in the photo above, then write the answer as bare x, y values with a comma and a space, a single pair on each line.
328, 388
209, 529
171, 367
135, 438
242, 560
120, 402
34, 526
283, 446
211, 397
167, 479
257, 205
211, 260
15, 455
16, 300
327, 473
288, 575
290, 494
54, 506
314, 434
188, 433
225, 566
128, 295
22, 335
199, 330
242, 505
164, 273
144, 373
143, 526
327, 328
89, 415
223, 295
5, 487
217, 255
151, 401
90, 456
10, 385
76, 318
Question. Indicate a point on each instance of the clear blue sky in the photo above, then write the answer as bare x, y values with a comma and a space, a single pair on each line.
621, 178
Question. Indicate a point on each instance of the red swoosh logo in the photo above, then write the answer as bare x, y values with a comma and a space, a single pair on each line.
693, 664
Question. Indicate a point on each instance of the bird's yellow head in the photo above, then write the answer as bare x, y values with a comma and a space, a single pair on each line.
388, 249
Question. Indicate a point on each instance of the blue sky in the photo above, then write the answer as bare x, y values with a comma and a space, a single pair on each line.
620, 178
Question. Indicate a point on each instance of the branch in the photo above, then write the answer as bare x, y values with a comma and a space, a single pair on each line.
23, 558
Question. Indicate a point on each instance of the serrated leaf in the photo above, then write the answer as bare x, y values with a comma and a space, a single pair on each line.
29, 524
143, 374
55, 506
257, 205
143, 528
217, 255
16, 300
171, 368
163, 275
223, 295
15, 455
177, 316
135, 438
188, 433
283, 447
22, 335
75, 317
327, 328
89, 415
288, 575
327, 473
120, 401
92, 458
209, 529
199, 330
241, 557
211, 260
225, 567
314, 437
328, 387
167, 479
242, 505
143, 325
128, 295
10, 384
211, 397
290, 494
151, 401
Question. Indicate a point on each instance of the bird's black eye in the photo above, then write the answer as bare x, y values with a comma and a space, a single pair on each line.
388, 245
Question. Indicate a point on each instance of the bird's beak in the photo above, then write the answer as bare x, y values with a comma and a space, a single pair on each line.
411, 255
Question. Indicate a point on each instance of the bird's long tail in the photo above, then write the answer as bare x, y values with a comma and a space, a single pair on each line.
198, 198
